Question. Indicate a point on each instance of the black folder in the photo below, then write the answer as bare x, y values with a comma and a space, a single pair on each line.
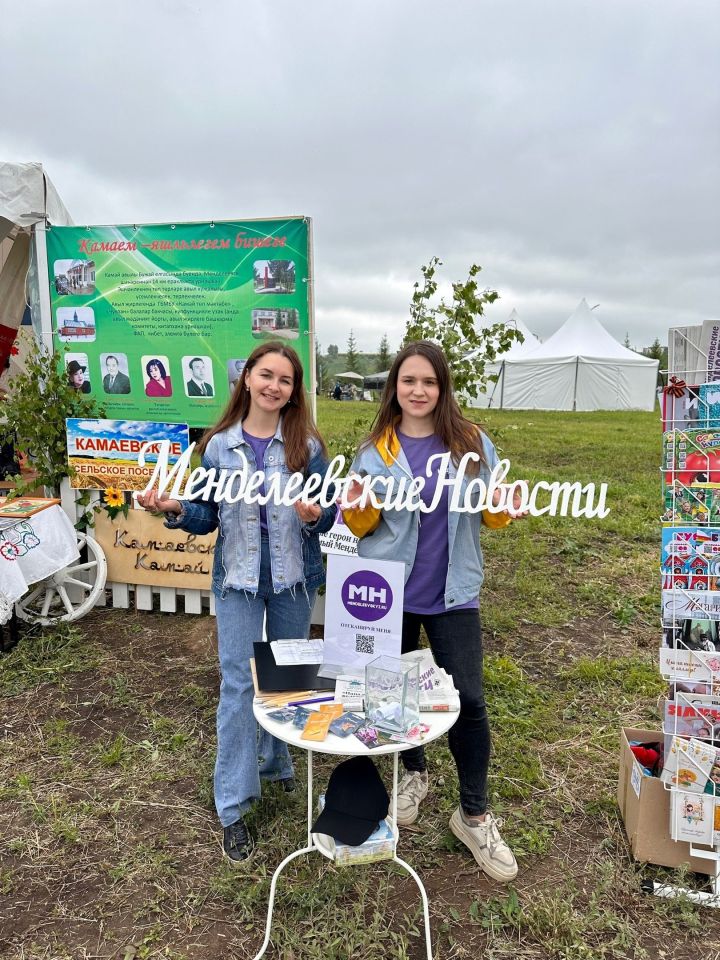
271, 678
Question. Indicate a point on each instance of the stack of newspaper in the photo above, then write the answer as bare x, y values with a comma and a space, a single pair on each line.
437, 691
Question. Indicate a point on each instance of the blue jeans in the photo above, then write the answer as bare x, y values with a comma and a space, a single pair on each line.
246, 752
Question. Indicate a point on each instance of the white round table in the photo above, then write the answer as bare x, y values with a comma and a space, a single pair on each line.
439, 723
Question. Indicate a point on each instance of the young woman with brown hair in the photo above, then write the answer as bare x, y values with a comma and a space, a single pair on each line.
419, 419
267, 564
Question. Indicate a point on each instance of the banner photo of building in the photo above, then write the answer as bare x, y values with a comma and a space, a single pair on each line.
104, 453
157, 321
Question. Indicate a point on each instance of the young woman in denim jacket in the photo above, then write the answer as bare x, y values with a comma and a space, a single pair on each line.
267, 564
419, 418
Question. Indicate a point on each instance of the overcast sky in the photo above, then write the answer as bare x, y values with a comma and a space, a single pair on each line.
568, 146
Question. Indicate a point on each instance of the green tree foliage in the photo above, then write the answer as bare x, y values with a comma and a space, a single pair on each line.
454, 327
283, 273
34, 413
384, 359
352, 358
656, 351
332, 350
320, 368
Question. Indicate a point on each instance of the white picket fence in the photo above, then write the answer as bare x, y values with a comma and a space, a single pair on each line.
142, 597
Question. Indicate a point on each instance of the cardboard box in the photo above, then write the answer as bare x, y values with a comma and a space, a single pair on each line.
645, 808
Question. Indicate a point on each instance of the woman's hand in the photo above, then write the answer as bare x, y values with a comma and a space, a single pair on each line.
157, 503
513, 511
352, 496
308, 512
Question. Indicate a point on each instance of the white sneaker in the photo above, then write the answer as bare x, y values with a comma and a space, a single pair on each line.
486, 845
411, 790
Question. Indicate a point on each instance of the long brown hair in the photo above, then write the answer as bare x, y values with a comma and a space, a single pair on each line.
297, 424
457, 433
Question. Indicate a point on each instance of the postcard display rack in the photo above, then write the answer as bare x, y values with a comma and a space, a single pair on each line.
690, 599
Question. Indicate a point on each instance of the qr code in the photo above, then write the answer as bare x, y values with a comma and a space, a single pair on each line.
364, 645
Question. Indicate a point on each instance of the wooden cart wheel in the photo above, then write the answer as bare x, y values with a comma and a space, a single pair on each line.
71, 592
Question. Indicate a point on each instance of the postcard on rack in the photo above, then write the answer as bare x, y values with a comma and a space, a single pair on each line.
692, 817
688, 764
693, 665
681, 407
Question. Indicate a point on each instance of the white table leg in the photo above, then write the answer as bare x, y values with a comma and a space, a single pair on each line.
426, 908
309, 797
273, 885
406, 866
310, 847
394, 793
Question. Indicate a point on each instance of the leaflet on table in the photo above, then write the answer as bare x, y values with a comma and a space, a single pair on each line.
350, 691
363, 612
292, 652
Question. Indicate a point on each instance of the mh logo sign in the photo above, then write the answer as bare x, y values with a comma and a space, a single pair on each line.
366, 595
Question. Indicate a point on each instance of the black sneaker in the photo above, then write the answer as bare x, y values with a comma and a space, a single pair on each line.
237, 842
289, 785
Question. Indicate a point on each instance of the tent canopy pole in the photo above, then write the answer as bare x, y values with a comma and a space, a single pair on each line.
577, 364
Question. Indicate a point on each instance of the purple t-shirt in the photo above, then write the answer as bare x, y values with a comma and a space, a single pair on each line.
259, 446
425, 588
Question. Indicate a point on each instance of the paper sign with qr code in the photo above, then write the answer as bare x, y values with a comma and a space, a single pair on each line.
363, 610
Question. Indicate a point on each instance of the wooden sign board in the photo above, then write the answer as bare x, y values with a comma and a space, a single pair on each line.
140, 549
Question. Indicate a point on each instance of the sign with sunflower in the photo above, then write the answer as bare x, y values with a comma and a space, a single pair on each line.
104, 453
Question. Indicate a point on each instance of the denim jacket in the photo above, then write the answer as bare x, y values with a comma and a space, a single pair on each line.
393, 534
295, 555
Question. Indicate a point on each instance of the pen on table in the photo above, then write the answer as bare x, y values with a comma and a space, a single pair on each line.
301, 703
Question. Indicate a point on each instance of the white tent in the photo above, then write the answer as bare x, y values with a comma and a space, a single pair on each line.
27, 198
494, 388
581, 367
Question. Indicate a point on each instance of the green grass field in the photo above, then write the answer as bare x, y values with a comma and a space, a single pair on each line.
108, 841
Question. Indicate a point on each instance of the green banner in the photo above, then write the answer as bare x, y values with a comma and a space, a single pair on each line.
156, 321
